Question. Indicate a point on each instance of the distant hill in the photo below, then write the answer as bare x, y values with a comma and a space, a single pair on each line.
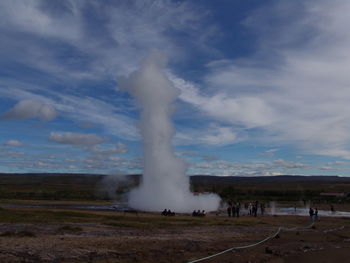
267, 179
211, 178
63, 186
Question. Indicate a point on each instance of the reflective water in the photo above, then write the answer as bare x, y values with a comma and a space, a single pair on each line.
305, 212
123, 207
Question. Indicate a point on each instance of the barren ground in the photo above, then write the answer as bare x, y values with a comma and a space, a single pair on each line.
44, 235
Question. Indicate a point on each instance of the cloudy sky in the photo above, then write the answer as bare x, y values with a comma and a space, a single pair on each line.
265, 85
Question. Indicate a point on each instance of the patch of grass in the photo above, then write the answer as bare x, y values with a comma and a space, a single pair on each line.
151, 222
125, 224
68, 228
44, 216
23, 233
72, 214
246, 223
8, 234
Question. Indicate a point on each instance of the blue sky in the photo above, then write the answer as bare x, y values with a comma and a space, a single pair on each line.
264, 84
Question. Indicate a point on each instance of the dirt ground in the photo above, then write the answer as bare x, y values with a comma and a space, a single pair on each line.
327, 241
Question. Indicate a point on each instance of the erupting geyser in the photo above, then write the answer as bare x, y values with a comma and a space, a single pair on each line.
164, 184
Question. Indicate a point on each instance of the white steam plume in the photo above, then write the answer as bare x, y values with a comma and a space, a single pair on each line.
165, 184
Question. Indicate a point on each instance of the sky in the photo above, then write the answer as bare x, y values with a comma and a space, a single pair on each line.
265, 85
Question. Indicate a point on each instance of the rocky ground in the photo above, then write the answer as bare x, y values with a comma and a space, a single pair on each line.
179, 240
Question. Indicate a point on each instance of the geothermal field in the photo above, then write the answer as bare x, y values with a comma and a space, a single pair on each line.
174, 131
73, 222
127, 218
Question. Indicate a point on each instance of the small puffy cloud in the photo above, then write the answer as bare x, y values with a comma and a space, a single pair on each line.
76, 138
27, 109
13, 143
117, 148
220, 136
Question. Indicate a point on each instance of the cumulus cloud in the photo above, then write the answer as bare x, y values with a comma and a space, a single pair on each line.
26, 109
249, 111
76, 138
220, 136
13, 143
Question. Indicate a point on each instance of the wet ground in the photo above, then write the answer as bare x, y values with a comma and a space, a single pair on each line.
299, 211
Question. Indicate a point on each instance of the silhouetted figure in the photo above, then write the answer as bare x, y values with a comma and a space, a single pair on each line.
169, 213
233, 210
255, 208
315, 215
164, 213
194, 213
250, 208
229, 210
262, 208
311, 213
238, 207
332, 209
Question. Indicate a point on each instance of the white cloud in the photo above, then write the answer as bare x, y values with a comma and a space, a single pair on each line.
249, 111
295, 88
336, 163
268, 153
76, 138
116, 149
328, 168
13, 143
26, 109
227, 168
219, 136
81, 109
288, 164
123, 32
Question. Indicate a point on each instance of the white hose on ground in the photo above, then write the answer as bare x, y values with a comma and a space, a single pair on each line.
252, 245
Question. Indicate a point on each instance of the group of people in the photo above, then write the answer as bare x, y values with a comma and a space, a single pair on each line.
167, 213
233, 209
313, 214
198, 213
254, 207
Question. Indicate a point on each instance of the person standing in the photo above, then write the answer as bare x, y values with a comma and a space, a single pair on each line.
311, 213
229, 210
238, 207
234, 210
316, 215
250, 208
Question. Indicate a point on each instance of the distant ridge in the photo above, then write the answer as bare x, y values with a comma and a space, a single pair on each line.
213, 178
267, 179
